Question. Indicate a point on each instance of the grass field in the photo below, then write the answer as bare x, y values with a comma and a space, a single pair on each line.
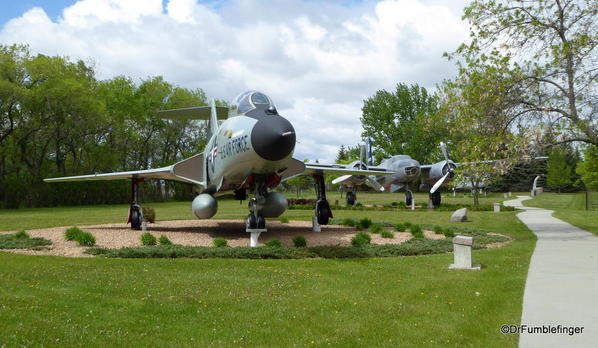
569, 207
404, 301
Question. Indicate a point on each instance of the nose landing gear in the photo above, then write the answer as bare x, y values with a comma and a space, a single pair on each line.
256, 223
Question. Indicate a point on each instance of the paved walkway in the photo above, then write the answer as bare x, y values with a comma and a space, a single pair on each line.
562, 281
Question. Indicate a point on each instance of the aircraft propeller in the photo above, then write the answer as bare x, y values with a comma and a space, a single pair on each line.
449, 171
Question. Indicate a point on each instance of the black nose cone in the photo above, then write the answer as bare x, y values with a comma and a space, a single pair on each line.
273, 138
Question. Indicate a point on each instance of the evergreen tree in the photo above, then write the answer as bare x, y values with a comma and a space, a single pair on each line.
560, 173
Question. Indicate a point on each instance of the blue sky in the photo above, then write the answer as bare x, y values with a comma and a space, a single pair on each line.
10, 9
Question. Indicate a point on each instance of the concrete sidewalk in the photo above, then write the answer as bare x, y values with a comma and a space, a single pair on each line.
562, 281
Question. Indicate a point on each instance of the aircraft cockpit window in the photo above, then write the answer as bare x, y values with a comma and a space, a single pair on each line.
259, 98
244, 106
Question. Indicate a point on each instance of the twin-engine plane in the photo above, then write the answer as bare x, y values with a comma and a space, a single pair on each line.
404, 172
249, 152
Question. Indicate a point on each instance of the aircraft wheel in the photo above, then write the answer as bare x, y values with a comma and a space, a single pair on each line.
436, 197
251, 222
351, 197
136, 218
261, 221
408, 198
322, 212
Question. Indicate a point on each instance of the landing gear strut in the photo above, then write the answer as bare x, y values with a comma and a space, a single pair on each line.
408, 197
256, 223
323, 213
135, 212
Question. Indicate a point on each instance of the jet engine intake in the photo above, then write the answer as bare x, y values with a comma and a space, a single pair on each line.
204, 206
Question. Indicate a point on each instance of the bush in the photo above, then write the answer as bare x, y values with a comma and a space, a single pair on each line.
449, 232
284, 220
375, 228
365, 222
387, 234
86, 239
407, 225
438, 230
300, 242
220, 242
164, 240
348, 222
148, 239
149, 214
358, 205
21, 235
10, 241
273, 243
400, 228
361, 239
416, 231
72, 233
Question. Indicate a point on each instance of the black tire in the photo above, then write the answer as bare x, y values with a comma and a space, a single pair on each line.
408, 198
136, 218
351, 197
251, 222
436, 198
322, 212
261, 221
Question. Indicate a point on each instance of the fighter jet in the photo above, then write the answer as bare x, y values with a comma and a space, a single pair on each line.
249, 152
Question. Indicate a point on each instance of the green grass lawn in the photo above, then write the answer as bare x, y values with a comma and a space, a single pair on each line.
403, 301
569, 207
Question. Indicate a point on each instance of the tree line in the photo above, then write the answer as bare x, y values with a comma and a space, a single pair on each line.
58, 119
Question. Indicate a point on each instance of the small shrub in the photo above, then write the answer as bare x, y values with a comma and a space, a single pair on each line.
300, 242
72, 233
348, 222
163, 240
149, 214
273, 243
284, 219
400, 228
387, 234
449, 232
21, 235
407, 224
375, 228
438, 230
416, 231
148, 239
361, 239
358, 205
220, 242
86, 239
365, 222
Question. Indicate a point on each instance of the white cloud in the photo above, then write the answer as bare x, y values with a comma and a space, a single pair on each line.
318, 61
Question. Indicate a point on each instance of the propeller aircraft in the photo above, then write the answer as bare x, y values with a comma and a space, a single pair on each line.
249, 152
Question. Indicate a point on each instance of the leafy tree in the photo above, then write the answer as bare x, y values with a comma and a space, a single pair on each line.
398, 122
588, 168
546, 49
560, 173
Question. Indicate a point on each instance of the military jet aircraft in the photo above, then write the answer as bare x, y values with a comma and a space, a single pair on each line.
250, 151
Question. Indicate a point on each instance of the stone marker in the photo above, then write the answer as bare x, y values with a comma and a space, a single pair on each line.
505, 195
460, 215
144, 225
497, 207
462, 253
509, 193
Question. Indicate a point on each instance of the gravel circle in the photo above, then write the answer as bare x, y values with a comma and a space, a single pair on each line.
202, 233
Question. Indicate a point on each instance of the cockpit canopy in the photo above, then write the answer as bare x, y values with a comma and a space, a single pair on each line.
248, 101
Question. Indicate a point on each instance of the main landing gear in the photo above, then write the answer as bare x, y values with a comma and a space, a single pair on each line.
322, 211
435, 198
256, 223
135, 212
409, 199
351, 197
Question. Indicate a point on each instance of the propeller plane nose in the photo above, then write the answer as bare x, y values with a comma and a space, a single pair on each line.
273, 138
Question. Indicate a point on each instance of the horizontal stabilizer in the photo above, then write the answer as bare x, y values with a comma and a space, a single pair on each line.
194, 113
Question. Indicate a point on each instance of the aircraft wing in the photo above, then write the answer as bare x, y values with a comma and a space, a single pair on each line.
338, 169
426, 167
189, 171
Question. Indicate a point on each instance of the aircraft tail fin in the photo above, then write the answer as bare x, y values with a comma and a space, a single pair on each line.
213, 122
